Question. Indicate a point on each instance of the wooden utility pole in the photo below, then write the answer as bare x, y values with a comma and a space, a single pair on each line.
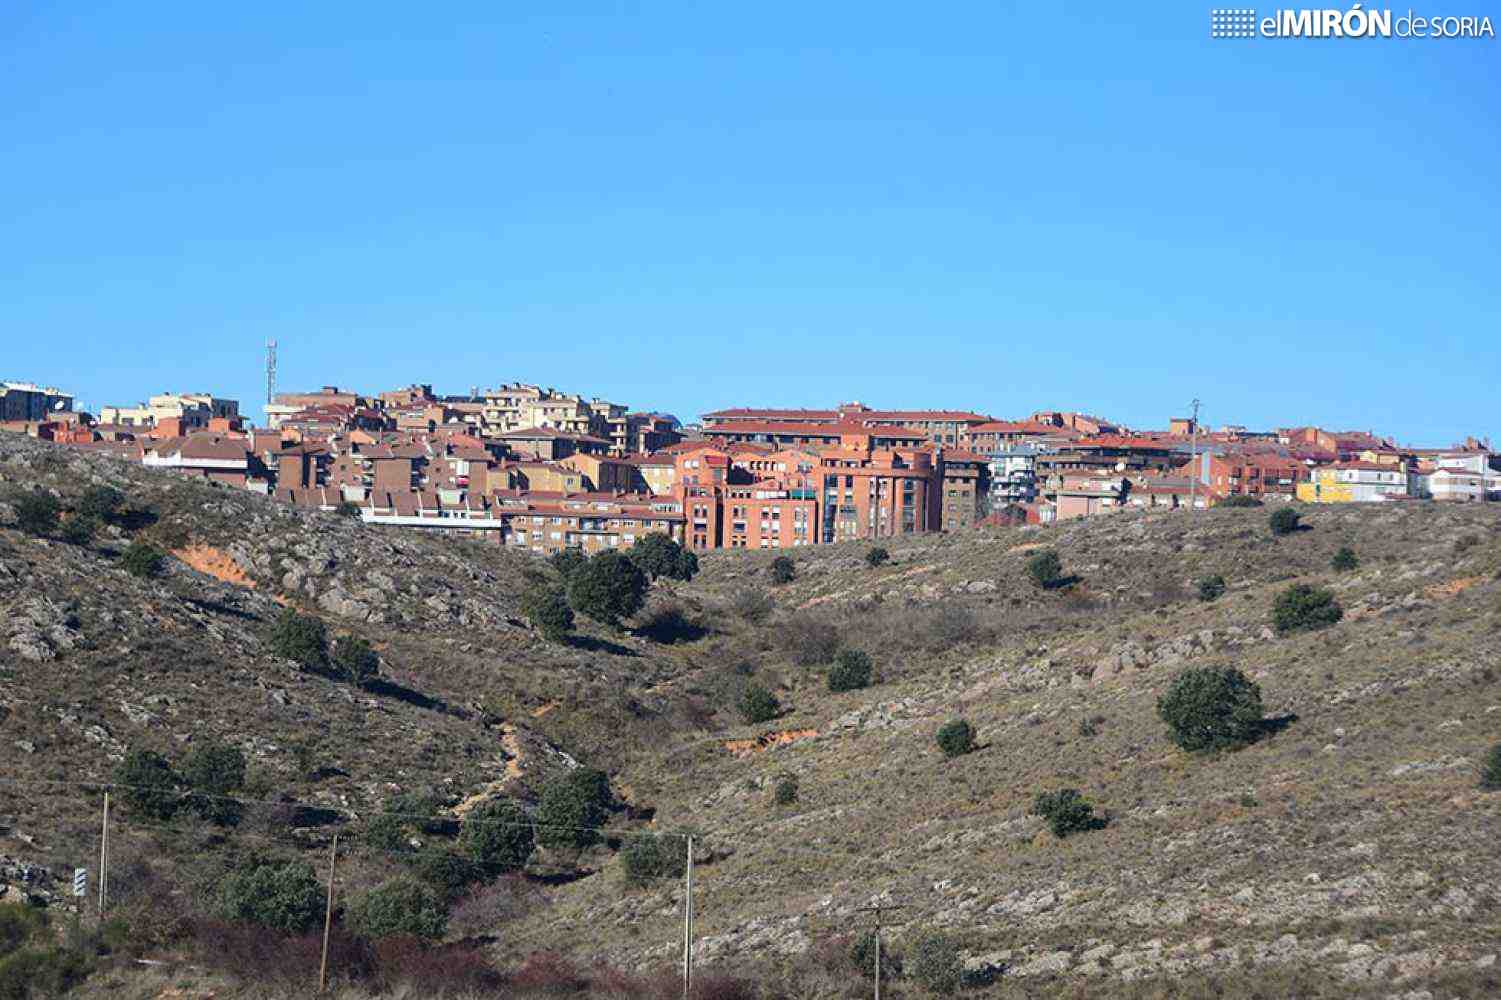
103, 855
878, 909
1193, 465
328, 914
688, 924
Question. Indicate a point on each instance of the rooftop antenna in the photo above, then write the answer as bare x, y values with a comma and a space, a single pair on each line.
270, 370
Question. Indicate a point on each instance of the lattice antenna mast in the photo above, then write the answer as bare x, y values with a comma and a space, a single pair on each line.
270, 371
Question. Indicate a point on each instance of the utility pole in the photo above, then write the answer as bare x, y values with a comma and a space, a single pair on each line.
1193, 465
328, 914
103, 855
688, 923
270, 371
878, 909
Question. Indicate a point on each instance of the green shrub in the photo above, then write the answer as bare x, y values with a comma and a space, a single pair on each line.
877, 557
654, 856
1211, 708
933, 960
103, 503
573, 808
36, 511
347, 509
282, 895
143, 559
1239, 500
402, 907
1045, 569
148, 785
759, 705
79, 530
659, 555
565, 561
1302, 607
956, 738
355, 661
42, 972
387, 832
1066, 812
785, 792
1344, 560
1284, 521
783, 570
499, 836
303, 639
546, 608
447, 872
1490, 769
215, 770
607, 588
19, 923
1211, 588
851, 671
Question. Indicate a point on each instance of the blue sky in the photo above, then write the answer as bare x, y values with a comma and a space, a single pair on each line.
990, 206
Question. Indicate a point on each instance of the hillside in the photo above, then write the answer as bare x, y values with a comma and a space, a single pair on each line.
1346, 852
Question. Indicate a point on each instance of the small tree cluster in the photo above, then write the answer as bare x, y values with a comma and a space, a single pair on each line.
143, 559
212, 772
355, 661
546, 608
851, 671
758, 705
80, 530
1490, 769
1303, 607
37, 512
1066, 812
784, 793
1239, 500
956, 738
607, 588
573, 808
1211, 708
654, 856
877, 556
403, 908
659, 555
303, 639
1045, 569
1284, 521
1211, 588
565, 561
102, 503
282, 895
783, 570
498, 836
933, 960
1344, 560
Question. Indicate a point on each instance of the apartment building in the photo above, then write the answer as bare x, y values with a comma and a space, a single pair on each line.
940, 427
29, 402
873, 492
1356, 482
1245, 474
212, 456
966, 488
1013, 475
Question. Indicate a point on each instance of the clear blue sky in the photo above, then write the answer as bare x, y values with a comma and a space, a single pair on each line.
989, 206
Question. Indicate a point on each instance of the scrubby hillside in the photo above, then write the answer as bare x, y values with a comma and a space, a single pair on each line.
1346, 850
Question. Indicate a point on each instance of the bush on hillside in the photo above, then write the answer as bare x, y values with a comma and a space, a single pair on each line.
143, 559
933, 960
1045, 569
1490, 769
43, 971
1211, 708
1211, 588
565, 561
214, 771
667, 623
147, 784
1066, 812
607, 588
399, 908
573, 808
654, 856
355, 661
448, 873
1239, 500
877, 557
499, 836
282, 895
758, 705
1303, 607
36, 511
862, 955
347, 509
786, 789
783, 570
661, 556
546, 608
1344, 560
1284, 521
79, 530
752, 605
956, 738
303, 639
103, 503
851, 671
19, 923
808, 641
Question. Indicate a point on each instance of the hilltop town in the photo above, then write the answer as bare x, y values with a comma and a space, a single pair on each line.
542, 470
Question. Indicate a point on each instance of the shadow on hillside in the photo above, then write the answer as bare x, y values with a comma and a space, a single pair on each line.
561, 878
590, 644
135, 518
1064, 582
1273, 726
220, 608
380, 687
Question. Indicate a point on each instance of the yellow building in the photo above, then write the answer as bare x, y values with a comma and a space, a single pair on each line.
1356, 482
